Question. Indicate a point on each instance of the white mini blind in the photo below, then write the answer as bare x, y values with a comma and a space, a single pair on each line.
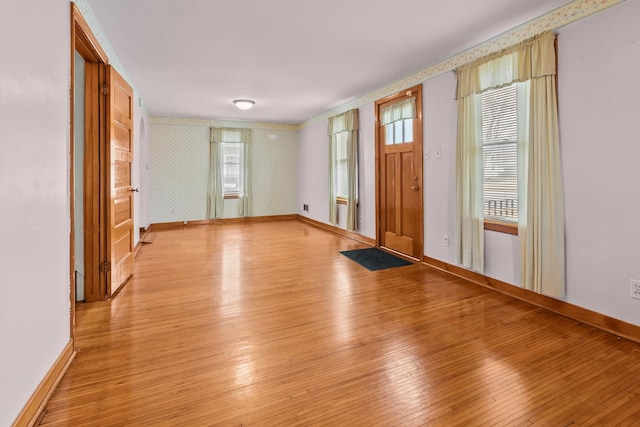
341, 167
500, 153
231, 167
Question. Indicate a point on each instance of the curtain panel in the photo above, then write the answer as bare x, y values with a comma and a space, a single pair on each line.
541, 197
345, 122
215, 190
469, 219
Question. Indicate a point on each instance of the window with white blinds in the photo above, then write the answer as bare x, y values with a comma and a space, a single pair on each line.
232, 166
341, 168
500, 154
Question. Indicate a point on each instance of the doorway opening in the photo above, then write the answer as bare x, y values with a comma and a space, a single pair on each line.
101, 246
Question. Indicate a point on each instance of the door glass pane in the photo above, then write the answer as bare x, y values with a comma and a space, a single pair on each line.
408, 130
398, 132
388, 138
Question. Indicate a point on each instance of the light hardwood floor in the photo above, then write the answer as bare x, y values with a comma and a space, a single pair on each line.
268, 324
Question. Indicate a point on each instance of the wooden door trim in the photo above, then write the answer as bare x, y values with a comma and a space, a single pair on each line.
84, 42
418, 132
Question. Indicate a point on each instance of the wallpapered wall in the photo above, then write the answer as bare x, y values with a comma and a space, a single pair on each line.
180, 167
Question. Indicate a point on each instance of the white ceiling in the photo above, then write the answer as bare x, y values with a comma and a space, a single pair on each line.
295, 58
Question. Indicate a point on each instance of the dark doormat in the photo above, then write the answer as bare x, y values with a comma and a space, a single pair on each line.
375, 259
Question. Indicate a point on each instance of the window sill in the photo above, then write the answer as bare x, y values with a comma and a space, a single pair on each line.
501, 226
343, 201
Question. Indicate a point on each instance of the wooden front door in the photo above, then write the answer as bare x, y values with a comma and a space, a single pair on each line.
399, 187
120, 193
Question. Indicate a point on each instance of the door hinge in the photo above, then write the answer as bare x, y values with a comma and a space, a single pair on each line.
105, 89
106, 267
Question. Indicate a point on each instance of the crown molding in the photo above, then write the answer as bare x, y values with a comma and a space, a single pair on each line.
221, 123
557, 18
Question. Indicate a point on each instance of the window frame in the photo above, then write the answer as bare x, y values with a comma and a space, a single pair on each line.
233, 194
497, 224
342, 199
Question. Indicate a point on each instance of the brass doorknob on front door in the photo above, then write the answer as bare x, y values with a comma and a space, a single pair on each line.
414, 187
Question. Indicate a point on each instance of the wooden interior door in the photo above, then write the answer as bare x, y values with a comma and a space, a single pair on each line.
119, 123
399, 188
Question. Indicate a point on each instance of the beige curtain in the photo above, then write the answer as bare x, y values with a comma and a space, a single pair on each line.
345, 122
469, 219
541, 222
244, 204
215, 192
542, 235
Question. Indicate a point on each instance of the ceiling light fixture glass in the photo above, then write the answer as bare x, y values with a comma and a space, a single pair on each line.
244, 104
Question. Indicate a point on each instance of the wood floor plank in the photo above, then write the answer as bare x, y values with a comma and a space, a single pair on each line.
268, 324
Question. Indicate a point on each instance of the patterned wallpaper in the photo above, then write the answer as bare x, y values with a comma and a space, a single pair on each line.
275, 172
180, 165
179, 169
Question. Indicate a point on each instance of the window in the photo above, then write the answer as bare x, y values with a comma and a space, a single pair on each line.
500, 154
232, 167
342, 130
397, 119
399, 132
341, 168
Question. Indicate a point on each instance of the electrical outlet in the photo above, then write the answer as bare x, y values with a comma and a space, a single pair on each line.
305, 207
445, 240
635, 288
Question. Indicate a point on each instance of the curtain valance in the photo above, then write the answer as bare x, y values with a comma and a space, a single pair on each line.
403, 109
532, 58
230, 135
347, 121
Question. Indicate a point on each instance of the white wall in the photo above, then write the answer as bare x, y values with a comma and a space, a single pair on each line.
313, 176
142, 170
313, 171
599, 98
367, 170
34, 189
439, 122
180, 166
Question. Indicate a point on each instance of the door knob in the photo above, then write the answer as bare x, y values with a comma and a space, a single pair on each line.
414, 187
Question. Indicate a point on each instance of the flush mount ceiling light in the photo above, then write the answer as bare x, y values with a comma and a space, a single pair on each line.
244, 104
